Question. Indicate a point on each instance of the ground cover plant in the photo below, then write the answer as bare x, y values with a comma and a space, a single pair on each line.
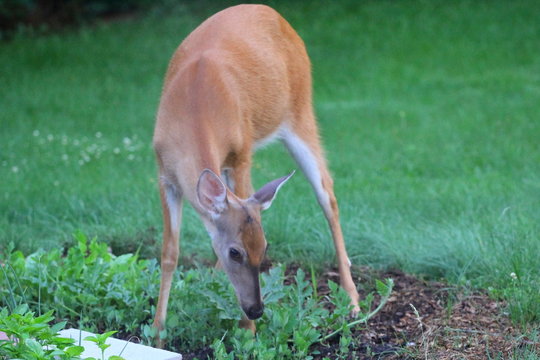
31, 337
94, 290
306, 315
428, 110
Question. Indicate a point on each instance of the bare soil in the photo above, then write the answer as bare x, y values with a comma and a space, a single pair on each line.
421, 320
429, 320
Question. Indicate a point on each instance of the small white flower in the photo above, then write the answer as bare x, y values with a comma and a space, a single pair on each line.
131, 157
76, 142
116, 151
126, 141
35, 133
99, 134
15, 169
65, 157
50, 137
513, 276
92, 148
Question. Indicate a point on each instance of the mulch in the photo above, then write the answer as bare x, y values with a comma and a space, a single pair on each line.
429, 320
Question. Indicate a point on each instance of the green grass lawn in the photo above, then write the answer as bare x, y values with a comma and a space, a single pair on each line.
429, 111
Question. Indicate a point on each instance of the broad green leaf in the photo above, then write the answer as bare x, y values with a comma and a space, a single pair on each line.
91, 338
57, 327
21, 309
74, 350
106, 335
62, 341
34, 347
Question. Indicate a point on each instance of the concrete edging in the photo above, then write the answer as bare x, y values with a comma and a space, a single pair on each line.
131, 351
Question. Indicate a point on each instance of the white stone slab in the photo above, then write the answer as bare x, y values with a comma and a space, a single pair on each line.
131, 351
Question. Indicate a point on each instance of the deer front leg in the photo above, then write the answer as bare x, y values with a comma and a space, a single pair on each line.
171, 201
241, 176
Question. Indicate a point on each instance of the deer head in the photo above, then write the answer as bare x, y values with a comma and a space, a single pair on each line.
238, 240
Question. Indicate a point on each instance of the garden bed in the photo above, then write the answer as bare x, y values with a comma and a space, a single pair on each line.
421, 319
91, 288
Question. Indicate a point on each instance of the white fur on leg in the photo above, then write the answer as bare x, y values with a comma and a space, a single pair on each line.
310, 166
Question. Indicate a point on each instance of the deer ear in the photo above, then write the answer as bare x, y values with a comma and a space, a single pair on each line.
265, 195
212, 193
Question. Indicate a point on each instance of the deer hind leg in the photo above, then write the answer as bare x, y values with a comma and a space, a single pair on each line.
305, 148
171, 201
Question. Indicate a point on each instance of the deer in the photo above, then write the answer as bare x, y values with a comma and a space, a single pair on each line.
240, 80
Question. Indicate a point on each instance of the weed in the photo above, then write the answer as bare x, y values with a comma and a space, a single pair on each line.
116, 292
93, 288
100, 341
32, 337
291, 326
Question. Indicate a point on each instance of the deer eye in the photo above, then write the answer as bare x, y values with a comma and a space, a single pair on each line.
235, 254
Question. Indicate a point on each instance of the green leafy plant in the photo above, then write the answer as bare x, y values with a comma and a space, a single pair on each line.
89, 286
295, 319
100, 341
95, 290
32, 337
202, 306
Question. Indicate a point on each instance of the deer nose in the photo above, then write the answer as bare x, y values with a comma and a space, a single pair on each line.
255, 312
